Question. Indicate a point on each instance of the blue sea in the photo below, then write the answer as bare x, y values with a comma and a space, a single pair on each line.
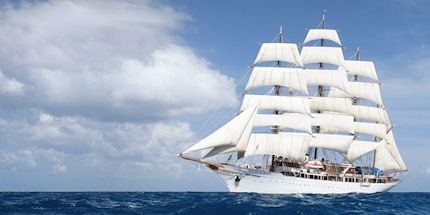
210, 203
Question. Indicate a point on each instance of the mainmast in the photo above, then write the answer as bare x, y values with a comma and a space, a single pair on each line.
275, 129
277, 87
320, 87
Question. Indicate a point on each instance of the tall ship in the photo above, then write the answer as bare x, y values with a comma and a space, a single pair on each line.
311, 121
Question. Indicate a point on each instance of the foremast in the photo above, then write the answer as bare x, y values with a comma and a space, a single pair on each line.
320, 87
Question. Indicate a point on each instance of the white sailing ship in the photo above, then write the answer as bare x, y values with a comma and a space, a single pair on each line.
320, 128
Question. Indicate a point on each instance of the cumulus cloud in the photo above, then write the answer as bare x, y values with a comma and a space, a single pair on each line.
10, 86
100, 85
115, 60
59, 168
28, 156
55, 140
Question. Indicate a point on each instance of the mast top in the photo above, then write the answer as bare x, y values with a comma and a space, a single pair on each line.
280, 34
323, 19
358, 53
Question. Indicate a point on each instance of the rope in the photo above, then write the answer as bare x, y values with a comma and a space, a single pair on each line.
352, 56
215, 111
275, 38
228, 113
319, 25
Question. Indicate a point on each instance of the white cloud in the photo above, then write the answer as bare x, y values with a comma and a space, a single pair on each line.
22, 157
425, 171
98, 86
59, 168
405, 88
114, 60
10, 86
58, 140
28, 156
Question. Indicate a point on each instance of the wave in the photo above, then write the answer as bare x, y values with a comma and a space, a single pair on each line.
210, 203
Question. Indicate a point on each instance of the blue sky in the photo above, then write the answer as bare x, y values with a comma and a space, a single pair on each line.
101, 95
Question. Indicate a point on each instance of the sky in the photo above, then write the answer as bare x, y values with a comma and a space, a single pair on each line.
102, 95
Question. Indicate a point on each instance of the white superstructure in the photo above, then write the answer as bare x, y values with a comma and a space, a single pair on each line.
316, 104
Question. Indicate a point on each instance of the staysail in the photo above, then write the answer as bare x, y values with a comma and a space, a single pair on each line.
231, 134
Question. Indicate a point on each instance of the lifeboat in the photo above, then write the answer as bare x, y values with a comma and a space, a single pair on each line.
315, 164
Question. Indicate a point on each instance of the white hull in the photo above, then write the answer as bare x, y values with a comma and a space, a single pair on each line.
260, 181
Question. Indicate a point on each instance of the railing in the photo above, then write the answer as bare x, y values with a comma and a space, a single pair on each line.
340, 178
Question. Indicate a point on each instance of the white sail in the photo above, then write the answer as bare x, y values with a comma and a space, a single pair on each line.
280, 126
370, 113
388, 157
359, 148
220, 150
286, 52
342, 105
293, 78
295, 121
324, 77
291, 145
318, 34
296, 78
374, 129
333, 122
334, 142
362, 68
363, 90
318, 54
234, 132
384, 160
282, 103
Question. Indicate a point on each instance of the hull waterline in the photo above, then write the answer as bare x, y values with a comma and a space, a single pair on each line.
260, 181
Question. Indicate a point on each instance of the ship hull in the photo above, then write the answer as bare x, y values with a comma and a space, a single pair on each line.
260, 181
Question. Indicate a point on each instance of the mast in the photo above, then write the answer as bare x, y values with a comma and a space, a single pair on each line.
275, 129
320, 87
357, 57
354, 102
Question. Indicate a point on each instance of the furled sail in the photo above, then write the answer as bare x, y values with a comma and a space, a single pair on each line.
234, 132
362, 68
293, 78
291, 145
282, 103
295, 121
334, 142
318, 54
326, 34
364, 90
359, 148
286, 52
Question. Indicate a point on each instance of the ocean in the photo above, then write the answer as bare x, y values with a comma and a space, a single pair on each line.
210, 203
